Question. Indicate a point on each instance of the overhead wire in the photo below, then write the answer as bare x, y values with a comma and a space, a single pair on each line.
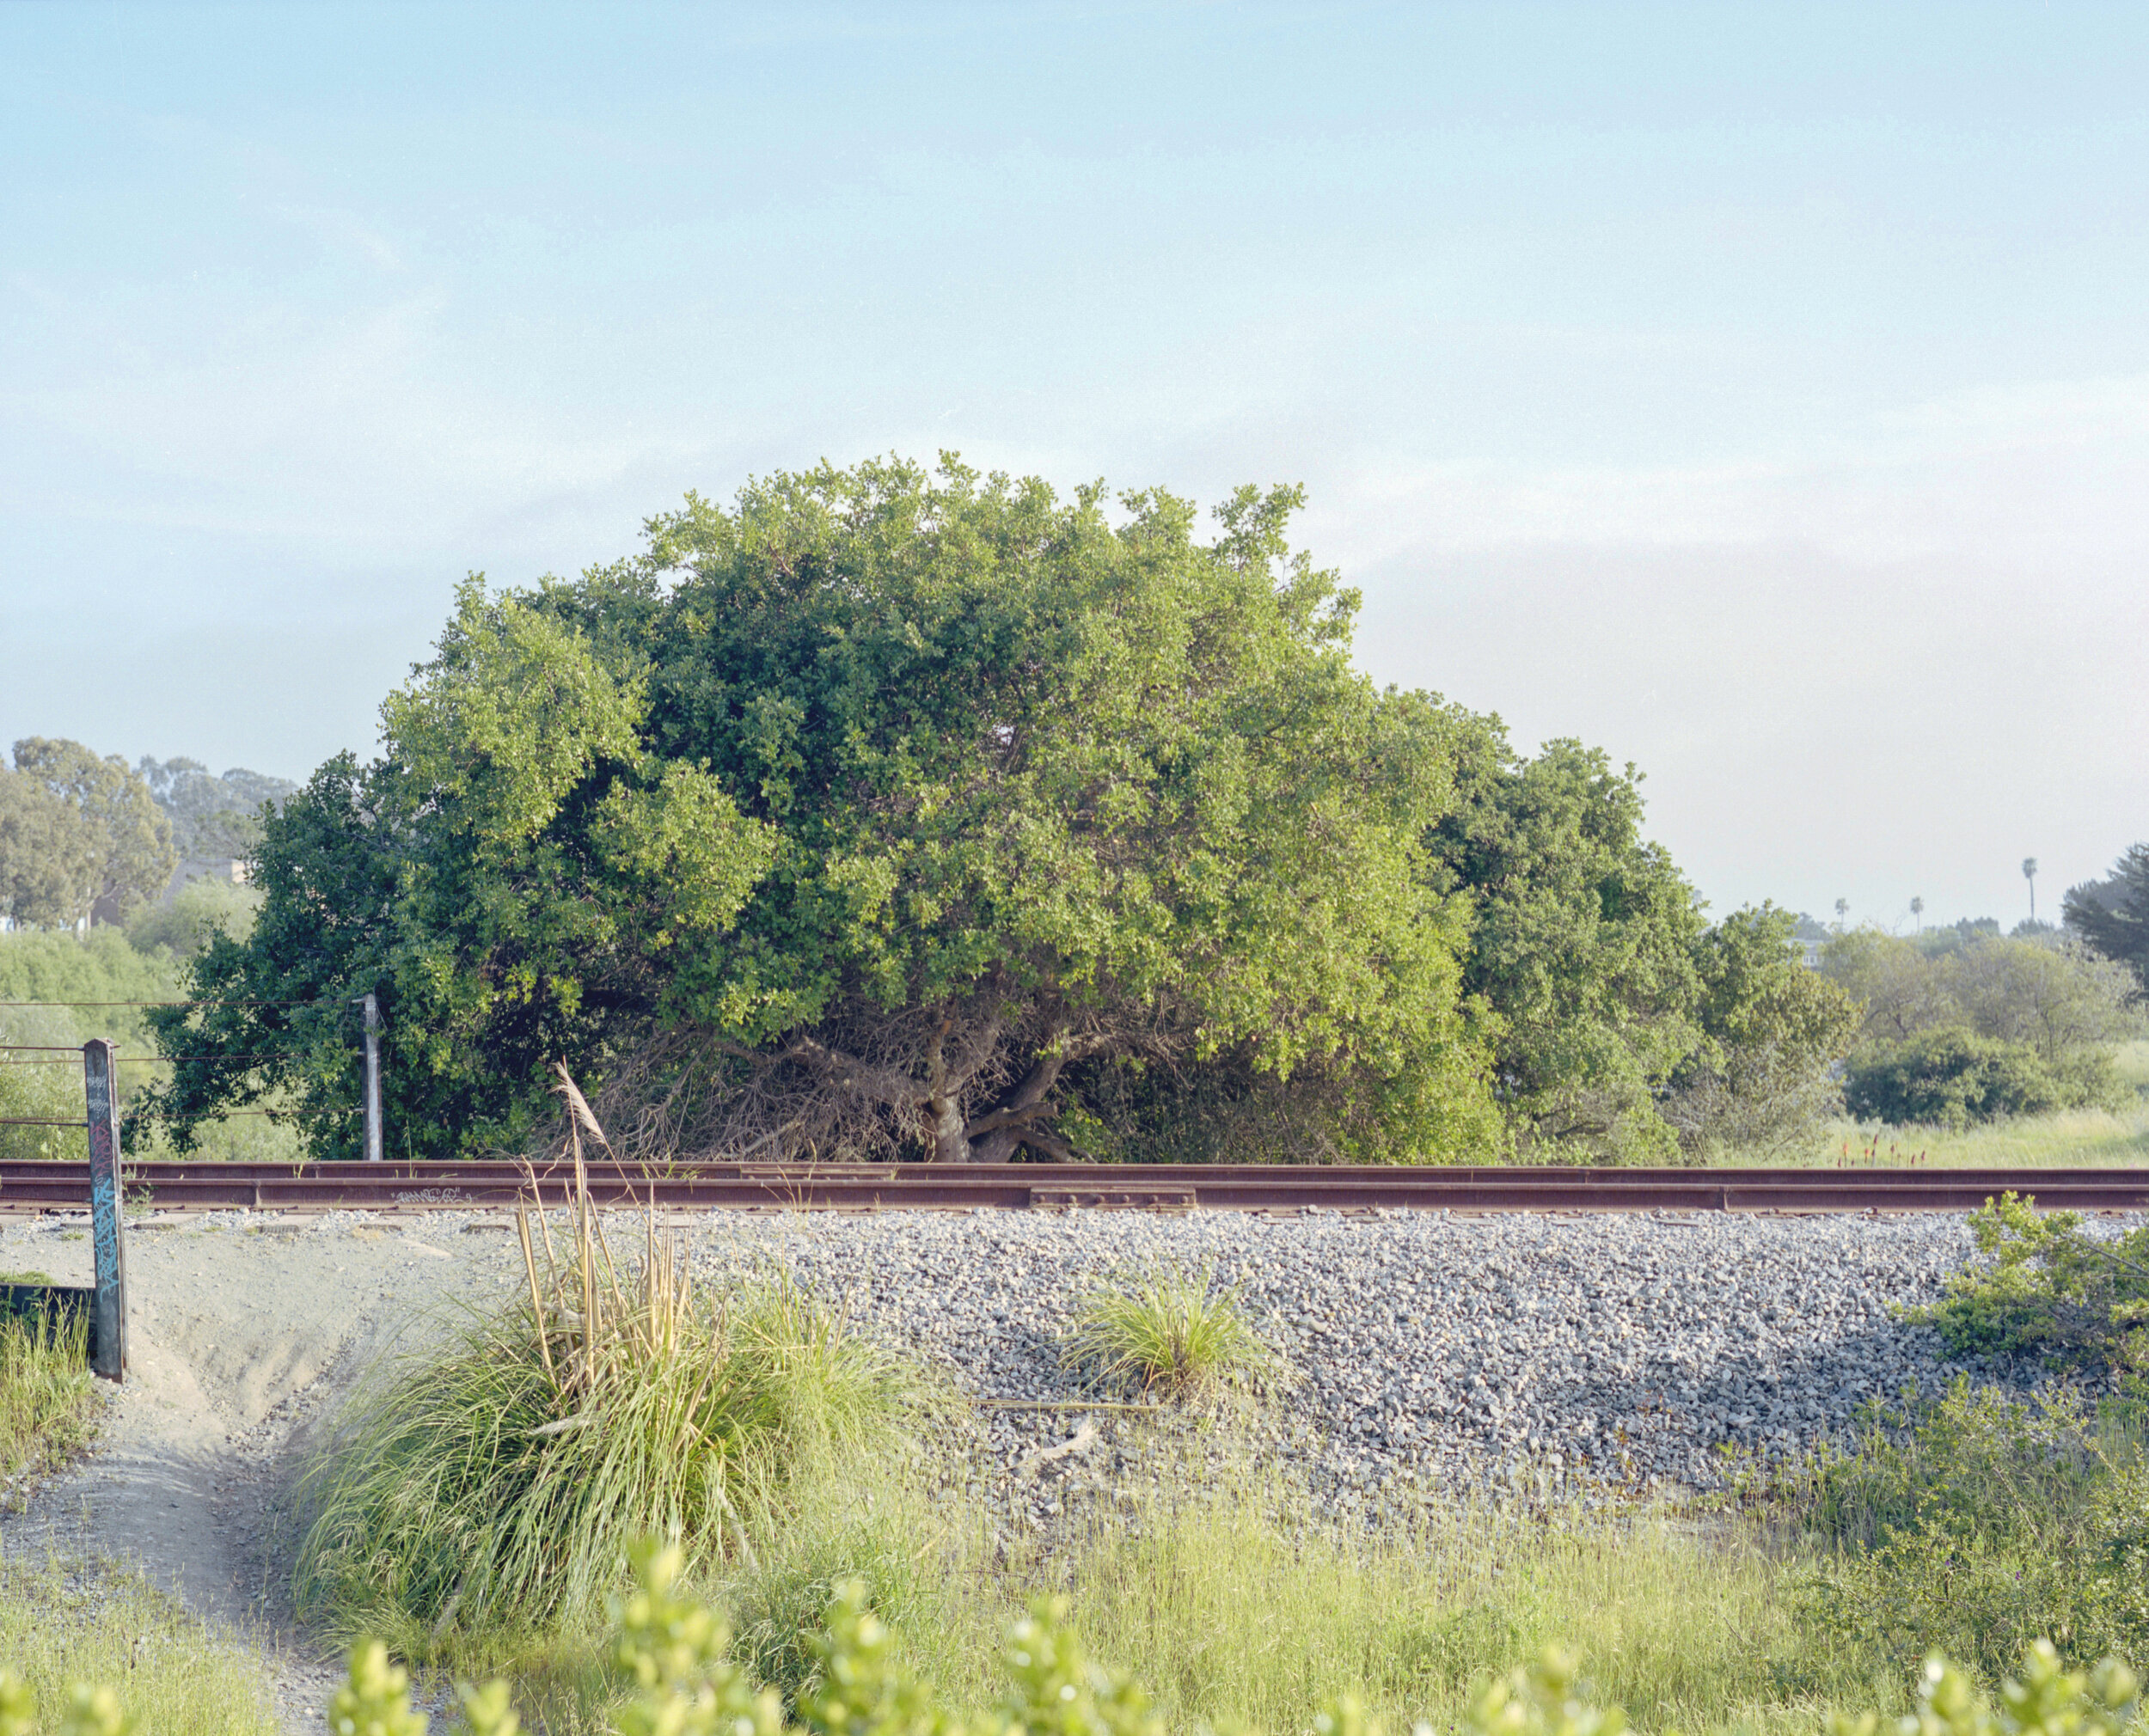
159, 1003
64, 1054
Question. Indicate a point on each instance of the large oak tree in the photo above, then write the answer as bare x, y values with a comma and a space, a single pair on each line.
860, 818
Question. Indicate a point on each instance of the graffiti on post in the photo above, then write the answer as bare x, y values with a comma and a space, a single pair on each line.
106, 1224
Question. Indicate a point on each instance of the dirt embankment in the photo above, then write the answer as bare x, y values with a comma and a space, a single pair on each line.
241, 1332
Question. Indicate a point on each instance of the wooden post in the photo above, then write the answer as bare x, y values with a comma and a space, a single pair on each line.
108, 1319
373, 1078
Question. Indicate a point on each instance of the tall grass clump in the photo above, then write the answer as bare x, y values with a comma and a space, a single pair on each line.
487, 1492
49, 1402
1167, 1333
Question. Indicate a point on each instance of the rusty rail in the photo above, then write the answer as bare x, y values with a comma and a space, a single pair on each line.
736, 1185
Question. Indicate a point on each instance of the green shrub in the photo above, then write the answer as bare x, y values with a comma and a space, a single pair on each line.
33, 1092
182, 925
66, 968
62, 968
100, 966
2049, 1285
1169, 1333
1987, 1525
1952, 1077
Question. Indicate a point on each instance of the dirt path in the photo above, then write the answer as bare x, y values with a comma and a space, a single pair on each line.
241, 1330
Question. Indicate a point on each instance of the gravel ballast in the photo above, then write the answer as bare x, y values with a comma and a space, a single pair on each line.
1434, 1355
1458, 1351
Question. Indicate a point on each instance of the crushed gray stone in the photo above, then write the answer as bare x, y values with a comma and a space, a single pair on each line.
1451, 1351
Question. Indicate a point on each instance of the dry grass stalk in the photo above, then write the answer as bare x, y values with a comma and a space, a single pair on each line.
582, 1307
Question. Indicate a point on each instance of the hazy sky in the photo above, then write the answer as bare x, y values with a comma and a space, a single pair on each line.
1761, 394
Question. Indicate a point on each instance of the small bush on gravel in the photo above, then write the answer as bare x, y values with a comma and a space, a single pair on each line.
2047, 1284
1169, 1333
48, 1398
1987, 1525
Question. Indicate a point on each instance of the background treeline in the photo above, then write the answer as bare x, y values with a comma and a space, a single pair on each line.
1964, 1024
89, 851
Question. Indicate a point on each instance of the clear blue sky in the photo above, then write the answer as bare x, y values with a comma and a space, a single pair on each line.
1762, 394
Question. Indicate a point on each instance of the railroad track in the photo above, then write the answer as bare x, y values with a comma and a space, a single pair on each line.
418, 1187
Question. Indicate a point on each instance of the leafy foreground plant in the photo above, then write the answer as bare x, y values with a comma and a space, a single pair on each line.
1989, 1524
493, 1490
1170, 1333
673, 1653
2051, 1286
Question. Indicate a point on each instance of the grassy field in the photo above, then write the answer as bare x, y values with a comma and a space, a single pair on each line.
2066, 1139
61, 1623
1233, 1607
476, 1511
49, 1403
1989, 1526
1231, 1603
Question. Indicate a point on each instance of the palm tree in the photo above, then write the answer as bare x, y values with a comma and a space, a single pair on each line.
1918, 913
2029, 873
1842, 910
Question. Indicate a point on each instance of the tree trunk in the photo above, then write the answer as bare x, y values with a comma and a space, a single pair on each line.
1010, 1125
951, 1143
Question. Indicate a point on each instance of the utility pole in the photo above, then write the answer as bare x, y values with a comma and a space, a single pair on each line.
372, 1004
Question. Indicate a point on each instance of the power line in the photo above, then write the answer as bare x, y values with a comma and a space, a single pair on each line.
159, 1003
68, 1053
40, 1121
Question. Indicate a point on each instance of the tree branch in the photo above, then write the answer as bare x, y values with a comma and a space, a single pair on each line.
883, 1085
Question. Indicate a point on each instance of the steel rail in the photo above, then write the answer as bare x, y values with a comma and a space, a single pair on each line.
732, 1184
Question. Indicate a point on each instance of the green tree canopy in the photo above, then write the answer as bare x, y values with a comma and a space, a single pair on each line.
1626, 1028
2054, 998
939, 815
1760, 1081
48, 854
80, 836
861, 813
2113, 916
1583, 942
